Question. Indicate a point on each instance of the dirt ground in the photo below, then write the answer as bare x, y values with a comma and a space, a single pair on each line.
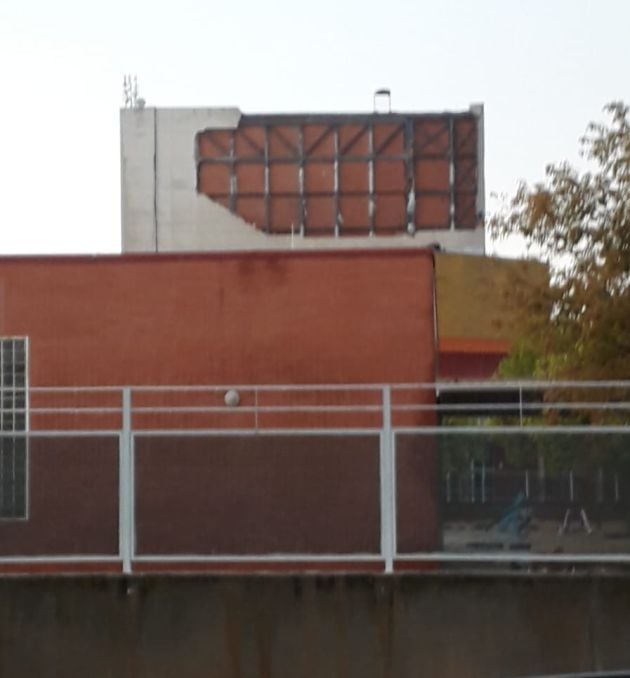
539, 536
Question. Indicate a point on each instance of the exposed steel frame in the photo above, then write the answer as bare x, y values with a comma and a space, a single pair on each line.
451, 138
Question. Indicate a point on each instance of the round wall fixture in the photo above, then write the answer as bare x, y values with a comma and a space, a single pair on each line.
232, 398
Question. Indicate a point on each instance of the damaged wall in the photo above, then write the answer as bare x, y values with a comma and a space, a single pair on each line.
162, 209
343, 175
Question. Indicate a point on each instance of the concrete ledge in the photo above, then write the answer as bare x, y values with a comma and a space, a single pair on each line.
279, 626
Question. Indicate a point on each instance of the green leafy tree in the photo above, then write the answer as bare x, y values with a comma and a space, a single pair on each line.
577, 325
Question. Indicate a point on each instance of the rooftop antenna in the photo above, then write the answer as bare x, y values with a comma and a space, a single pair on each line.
130, 93
384, 96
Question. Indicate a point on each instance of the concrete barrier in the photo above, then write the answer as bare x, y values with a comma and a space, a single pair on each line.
442, 626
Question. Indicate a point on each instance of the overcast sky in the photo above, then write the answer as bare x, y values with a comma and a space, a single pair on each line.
543, 69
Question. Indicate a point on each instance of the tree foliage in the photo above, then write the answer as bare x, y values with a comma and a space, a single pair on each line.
577, 324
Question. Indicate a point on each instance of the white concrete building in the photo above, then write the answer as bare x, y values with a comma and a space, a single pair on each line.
215, 179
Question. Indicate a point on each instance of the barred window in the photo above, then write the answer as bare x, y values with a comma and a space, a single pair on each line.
13, 427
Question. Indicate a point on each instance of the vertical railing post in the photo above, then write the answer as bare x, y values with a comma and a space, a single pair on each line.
388, 484
527, 483
126, 485
256, 408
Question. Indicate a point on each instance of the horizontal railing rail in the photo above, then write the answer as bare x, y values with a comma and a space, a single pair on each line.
588, 674
452, 404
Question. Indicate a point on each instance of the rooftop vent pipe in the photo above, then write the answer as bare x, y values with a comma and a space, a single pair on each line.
384, 97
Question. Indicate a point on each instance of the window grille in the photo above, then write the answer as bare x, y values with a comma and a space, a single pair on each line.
13, 427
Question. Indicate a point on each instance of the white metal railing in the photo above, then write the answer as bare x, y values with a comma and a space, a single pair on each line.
439, 412
490, 403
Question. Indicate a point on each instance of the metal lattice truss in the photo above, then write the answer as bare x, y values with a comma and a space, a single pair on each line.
326, 175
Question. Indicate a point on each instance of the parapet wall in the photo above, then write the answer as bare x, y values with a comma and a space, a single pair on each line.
445, 626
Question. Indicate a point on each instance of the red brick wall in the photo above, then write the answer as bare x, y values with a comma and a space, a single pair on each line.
469, 365
73, 500
231, 319
264, 318
258, 494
